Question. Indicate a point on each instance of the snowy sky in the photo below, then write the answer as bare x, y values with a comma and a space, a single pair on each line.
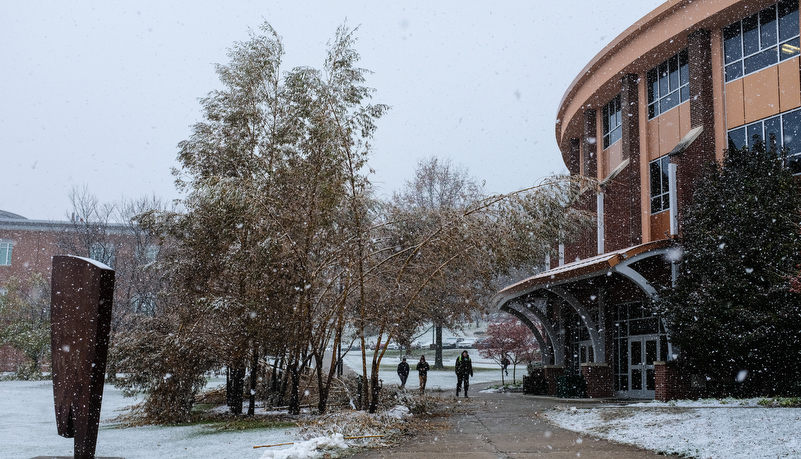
98, 93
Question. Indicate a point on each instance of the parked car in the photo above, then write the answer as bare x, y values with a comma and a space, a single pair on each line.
451, 343
468, 343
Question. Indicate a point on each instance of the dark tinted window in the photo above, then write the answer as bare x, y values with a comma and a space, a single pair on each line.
732, 43
737, 138
751, 44
789, 49
759, 61
751, 35
773, 131
788, 20
668, 84
791, 125
767, 27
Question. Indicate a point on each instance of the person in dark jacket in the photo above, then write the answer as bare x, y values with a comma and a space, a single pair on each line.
464, 370
403, 372
422, 370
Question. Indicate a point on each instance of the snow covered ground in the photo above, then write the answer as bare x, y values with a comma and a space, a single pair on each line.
28, 429
705, 429
28, 426
727, 429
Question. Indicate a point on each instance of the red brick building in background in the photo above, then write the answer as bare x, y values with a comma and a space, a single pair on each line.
669, 94
27, 247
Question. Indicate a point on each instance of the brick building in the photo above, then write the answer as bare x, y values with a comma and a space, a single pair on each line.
27, 247
669, 94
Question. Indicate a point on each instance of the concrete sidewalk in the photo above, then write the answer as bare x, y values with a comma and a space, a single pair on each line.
504, 426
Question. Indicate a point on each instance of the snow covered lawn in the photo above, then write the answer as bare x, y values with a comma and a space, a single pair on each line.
28, 429
702, 429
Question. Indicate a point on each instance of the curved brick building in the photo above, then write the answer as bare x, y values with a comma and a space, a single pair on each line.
666, 96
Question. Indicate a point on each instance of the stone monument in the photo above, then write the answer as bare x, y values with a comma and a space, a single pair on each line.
82, 292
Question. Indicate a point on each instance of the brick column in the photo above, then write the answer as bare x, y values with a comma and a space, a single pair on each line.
690, 162
551, 373
599, 380
632, 203
671, 384
590, 144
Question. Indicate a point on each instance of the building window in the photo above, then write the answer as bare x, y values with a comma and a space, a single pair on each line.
761, 40
660, 185
781, 131
668, 84
612, 122
633, 322
6, 249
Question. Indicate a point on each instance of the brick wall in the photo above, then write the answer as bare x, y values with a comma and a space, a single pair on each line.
599, 380
671, 384
552, 373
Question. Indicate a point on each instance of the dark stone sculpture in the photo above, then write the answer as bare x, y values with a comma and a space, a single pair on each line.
80, 320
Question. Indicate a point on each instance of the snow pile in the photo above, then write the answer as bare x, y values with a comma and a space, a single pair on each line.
705, 429
308, 449
399, 412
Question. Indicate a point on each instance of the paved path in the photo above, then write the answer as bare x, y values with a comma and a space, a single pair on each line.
504, 426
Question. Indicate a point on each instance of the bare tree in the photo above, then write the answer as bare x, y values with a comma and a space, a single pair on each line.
438, 188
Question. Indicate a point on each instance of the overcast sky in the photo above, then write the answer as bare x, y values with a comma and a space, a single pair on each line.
99, 93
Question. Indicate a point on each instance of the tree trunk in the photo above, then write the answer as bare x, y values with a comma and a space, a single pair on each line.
235, 387
294, 393
254, 374
322, 387
375, 388
438, 348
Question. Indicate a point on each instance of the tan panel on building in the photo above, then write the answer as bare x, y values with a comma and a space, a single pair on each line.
735, 110
789, 85
612, 158
660, 225
669, 131
761, 94
685, 123
653, 139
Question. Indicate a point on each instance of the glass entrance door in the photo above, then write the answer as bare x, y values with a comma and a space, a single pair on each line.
643, 351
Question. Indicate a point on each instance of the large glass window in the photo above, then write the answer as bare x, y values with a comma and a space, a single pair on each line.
632, 320
612, 122
668, 84
660, 185
780, 131
6, 249
761, 40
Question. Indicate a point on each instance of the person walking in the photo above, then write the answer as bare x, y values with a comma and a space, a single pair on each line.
422, 371
505, 363
464, 370
403, 372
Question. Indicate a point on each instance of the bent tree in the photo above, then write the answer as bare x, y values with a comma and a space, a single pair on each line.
270, 175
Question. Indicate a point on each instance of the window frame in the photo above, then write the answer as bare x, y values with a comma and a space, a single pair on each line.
761, 40
612, 122
6, 252
778, 125
658, 169
665, 94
